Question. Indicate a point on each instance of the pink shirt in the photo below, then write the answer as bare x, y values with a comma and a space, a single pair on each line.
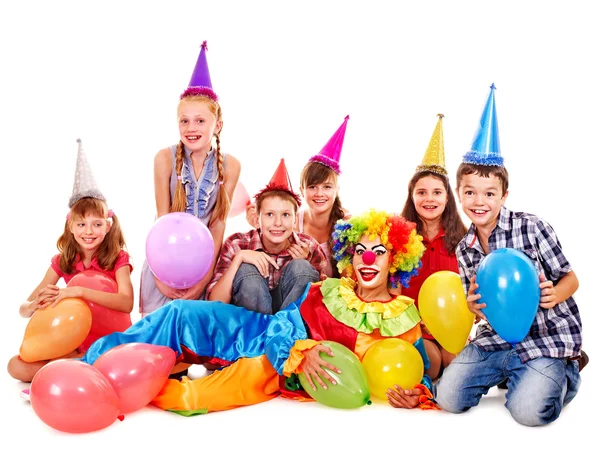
122, 260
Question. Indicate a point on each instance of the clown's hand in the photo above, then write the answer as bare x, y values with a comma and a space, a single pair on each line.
404, 398
315, 367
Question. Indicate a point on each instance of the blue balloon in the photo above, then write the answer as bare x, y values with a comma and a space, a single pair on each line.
510, 287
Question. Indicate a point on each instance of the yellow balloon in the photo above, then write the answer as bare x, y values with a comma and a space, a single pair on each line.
392, 362
443, 308
56, 331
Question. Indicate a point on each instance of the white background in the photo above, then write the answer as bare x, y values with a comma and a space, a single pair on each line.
111, 73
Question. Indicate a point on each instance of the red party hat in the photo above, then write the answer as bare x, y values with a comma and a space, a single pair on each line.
280, 181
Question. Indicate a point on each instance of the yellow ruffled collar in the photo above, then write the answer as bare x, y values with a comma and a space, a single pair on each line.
390, 309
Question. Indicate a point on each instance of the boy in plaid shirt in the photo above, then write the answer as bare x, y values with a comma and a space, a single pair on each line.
266, 269
542, 370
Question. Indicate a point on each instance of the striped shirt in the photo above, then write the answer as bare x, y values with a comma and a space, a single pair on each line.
556, 332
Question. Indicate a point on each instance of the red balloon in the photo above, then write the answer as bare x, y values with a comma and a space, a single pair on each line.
137, 372
104, 321
240, 200
72, 396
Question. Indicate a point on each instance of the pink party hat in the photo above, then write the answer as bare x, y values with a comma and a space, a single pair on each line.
331, 152
200, 83
280, 181
84, 183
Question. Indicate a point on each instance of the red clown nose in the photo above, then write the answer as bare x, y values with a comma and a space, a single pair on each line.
368, 257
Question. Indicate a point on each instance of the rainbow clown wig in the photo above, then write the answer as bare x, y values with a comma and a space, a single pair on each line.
397, 234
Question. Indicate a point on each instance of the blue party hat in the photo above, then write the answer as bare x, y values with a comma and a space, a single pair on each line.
200, 83
485, 149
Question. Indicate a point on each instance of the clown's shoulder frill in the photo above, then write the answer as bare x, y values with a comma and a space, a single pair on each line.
391, 318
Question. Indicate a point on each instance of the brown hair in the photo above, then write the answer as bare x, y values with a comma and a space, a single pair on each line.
223, 203
284, 195
483, 171
109, 250
453, 225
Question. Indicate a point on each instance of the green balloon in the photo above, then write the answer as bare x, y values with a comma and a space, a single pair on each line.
351, 390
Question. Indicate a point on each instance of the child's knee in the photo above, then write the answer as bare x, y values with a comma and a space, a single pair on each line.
537, 413
17, 369
302, 268
449, 395
537, 395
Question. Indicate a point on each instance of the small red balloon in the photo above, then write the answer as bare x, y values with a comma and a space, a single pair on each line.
240, 200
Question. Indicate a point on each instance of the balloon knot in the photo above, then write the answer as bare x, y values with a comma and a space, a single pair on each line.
369, 402
121, 417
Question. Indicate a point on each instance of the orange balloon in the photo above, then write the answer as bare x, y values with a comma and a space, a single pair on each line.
55, 331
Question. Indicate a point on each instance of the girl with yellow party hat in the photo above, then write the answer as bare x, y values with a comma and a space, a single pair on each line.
431, 206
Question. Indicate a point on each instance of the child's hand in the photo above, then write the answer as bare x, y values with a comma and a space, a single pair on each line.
68, 292
259, 259
46, 296
403, 398
313, 365
169, 292
299, 250
547, 293
251, 215
472, 303
194, 292
424, 329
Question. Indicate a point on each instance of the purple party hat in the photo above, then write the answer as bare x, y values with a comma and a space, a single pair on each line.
200, 83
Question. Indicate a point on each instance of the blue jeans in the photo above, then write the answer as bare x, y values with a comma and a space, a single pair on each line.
537, 390
251, 289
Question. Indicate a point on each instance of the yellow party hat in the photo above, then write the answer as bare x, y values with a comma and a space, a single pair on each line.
434, 160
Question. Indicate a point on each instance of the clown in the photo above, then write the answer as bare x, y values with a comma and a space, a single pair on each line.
258, 351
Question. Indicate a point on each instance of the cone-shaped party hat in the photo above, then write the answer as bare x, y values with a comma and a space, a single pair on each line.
434, 159
331, 152
84, 184
485, 149
280, 181
200, 83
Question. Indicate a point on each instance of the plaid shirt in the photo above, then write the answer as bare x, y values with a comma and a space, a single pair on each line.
556, 332
252, 241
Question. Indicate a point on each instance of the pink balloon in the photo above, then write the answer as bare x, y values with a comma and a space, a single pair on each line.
72, 396
240, 200
137, 372
179, 250
104, 320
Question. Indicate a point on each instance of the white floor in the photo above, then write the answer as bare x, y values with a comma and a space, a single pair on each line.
282, 425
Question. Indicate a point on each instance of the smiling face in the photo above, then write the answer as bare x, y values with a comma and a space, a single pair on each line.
89, 232
197, 124
481, 199
430, 198
319, 187
371, 263
320, 197
276, 219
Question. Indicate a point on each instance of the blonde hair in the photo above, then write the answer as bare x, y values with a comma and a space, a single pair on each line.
107, 253
221, 208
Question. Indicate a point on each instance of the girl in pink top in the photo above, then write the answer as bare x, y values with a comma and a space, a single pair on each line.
92, 239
